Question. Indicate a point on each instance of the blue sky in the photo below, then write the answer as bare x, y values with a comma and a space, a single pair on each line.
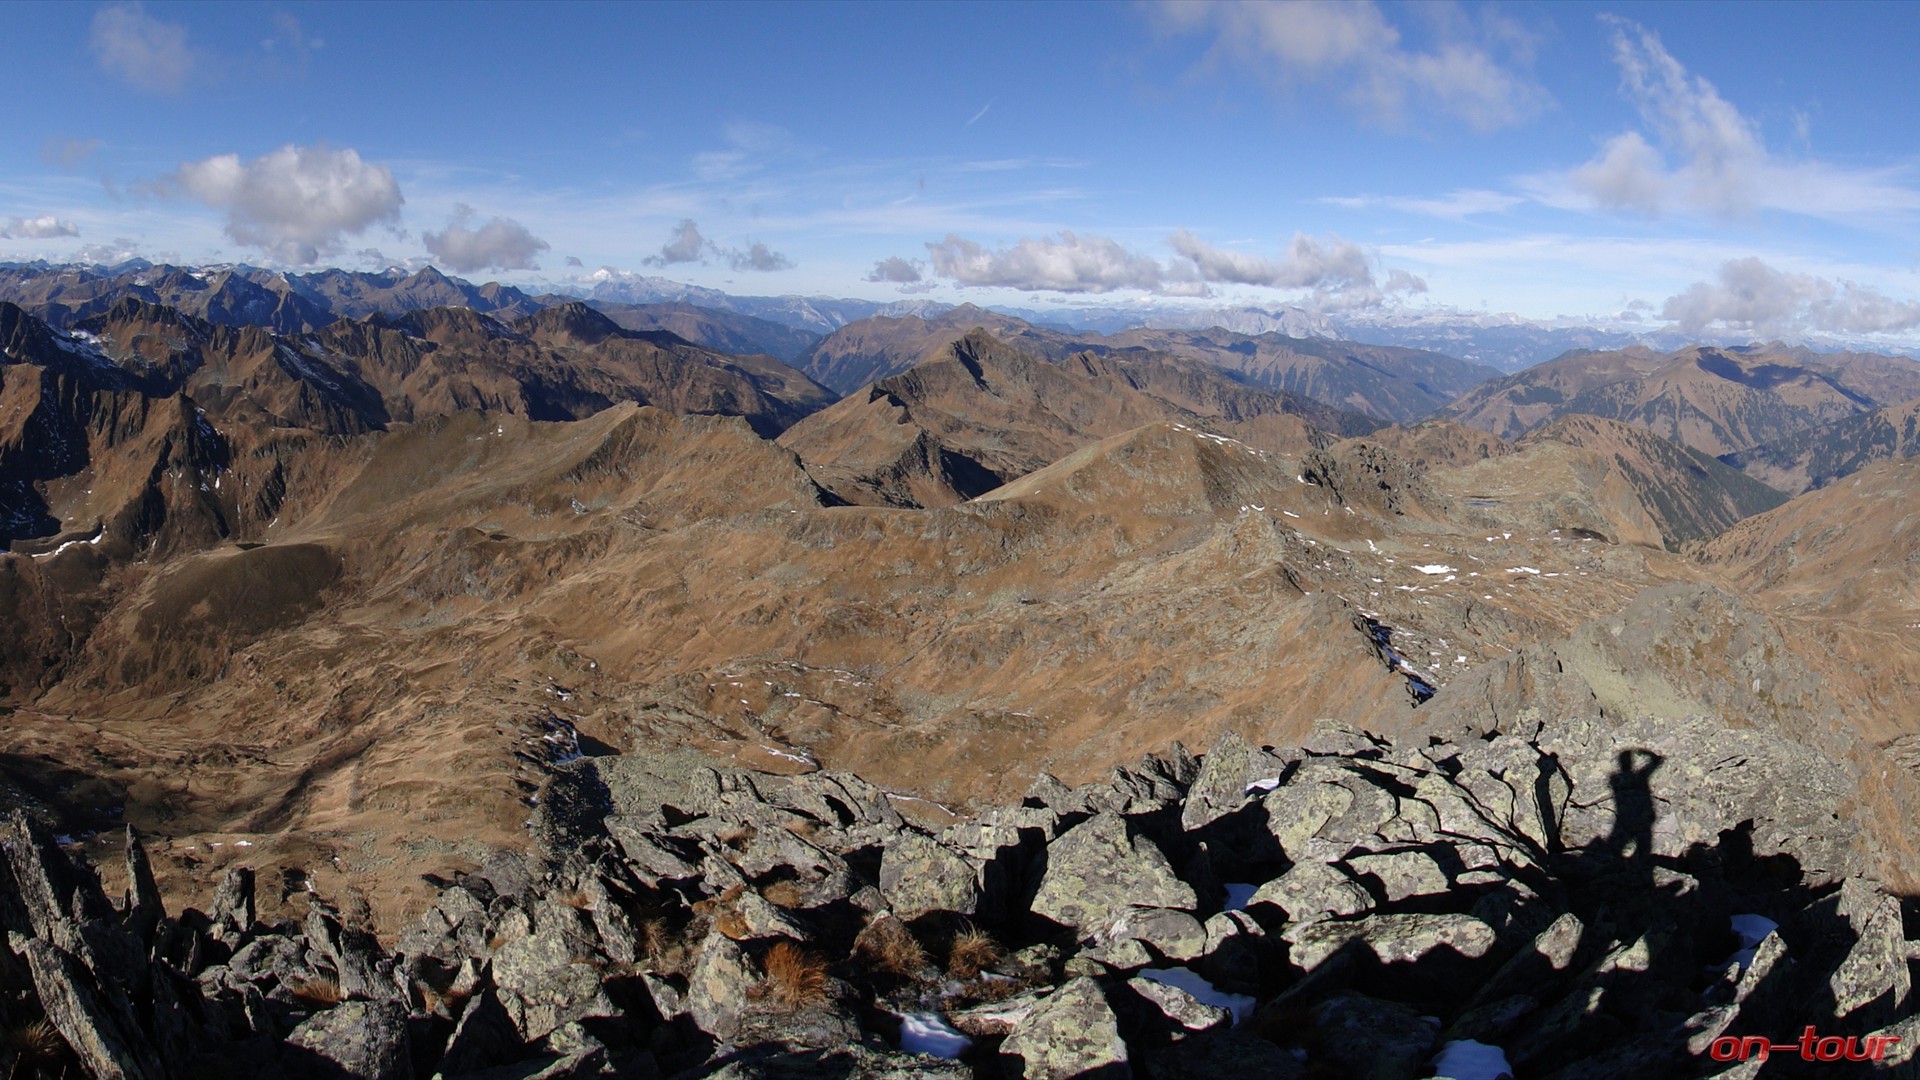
1734, 167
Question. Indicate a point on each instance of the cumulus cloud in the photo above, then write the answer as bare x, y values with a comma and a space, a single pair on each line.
1400, 281
500, 244
67, 153
684, 246
1336, 272
1750, 295
896, 270
1696, 152
1065, 263
141, 50
45, 227
114, 252
297, 202
759, 257
1330, 263
1472, 71
688, 245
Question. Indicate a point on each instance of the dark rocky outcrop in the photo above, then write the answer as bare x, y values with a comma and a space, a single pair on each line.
1593, 900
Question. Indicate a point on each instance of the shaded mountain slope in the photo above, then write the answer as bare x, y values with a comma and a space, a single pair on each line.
1382, 381
724, 331
1688, 494
1816, 457
980, 412
1718, 401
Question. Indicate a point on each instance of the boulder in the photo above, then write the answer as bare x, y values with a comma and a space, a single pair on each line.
361, 1040
1097, 869
919, 874
1071, 1033
1391, 938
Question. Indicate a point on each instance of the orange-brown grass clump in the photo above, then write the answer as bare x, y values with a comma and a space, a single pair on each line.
886, 946
318, 992
36, 1041
786, 894
795, 978
577, 899
973, 951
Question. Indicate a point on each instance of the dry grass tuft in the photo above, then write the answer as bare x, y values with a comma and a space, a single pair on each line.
737, 838
973, 952
888, 947
577, 899
319, 992
795, 978
36, 1040
731, 923
805, 828
786, 894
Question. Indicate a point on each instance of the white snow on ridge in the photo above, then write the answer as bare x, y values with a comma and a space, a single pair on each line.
1436, 568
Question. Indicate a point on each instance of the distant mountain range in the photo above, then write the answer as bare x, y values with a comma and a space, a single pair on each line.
1504, 341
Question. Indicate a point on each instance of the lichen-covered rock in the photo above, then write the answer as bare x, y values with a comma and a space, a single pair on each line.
717, 987
919, 874
1176, 935
1221, 785
1402, 874
1391, 938
1180, 1007
1098, 868
354, 1040
1312, 891
1070, 1033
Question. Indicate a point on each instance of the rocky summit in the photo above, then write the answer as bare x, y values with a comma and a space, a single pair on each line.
1571, 900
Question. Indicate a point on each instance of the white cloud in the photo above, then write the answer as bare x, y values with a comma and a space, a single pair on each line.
760, 257
687, 244
500, 244
1330, 263
1698, 153
684, 246
1751, 295
118, 250
1471, 71
896, 270
1065, 263
44, 227
141, 50
297, 202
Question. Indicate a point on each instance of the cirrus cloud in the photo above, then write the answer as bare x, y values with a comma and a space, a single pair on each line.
1695, 152
295, 203
1473, 70
139, 49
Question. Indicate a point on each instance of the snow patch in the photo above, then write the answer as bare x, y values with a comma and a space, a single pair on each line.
1240, 1005
1239, 894
1435, 568
1265, 784
1465, 1059
927, 1033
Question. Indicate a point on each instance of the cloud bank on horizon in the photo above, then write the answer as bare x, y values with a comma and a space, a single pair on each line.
1334, 156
